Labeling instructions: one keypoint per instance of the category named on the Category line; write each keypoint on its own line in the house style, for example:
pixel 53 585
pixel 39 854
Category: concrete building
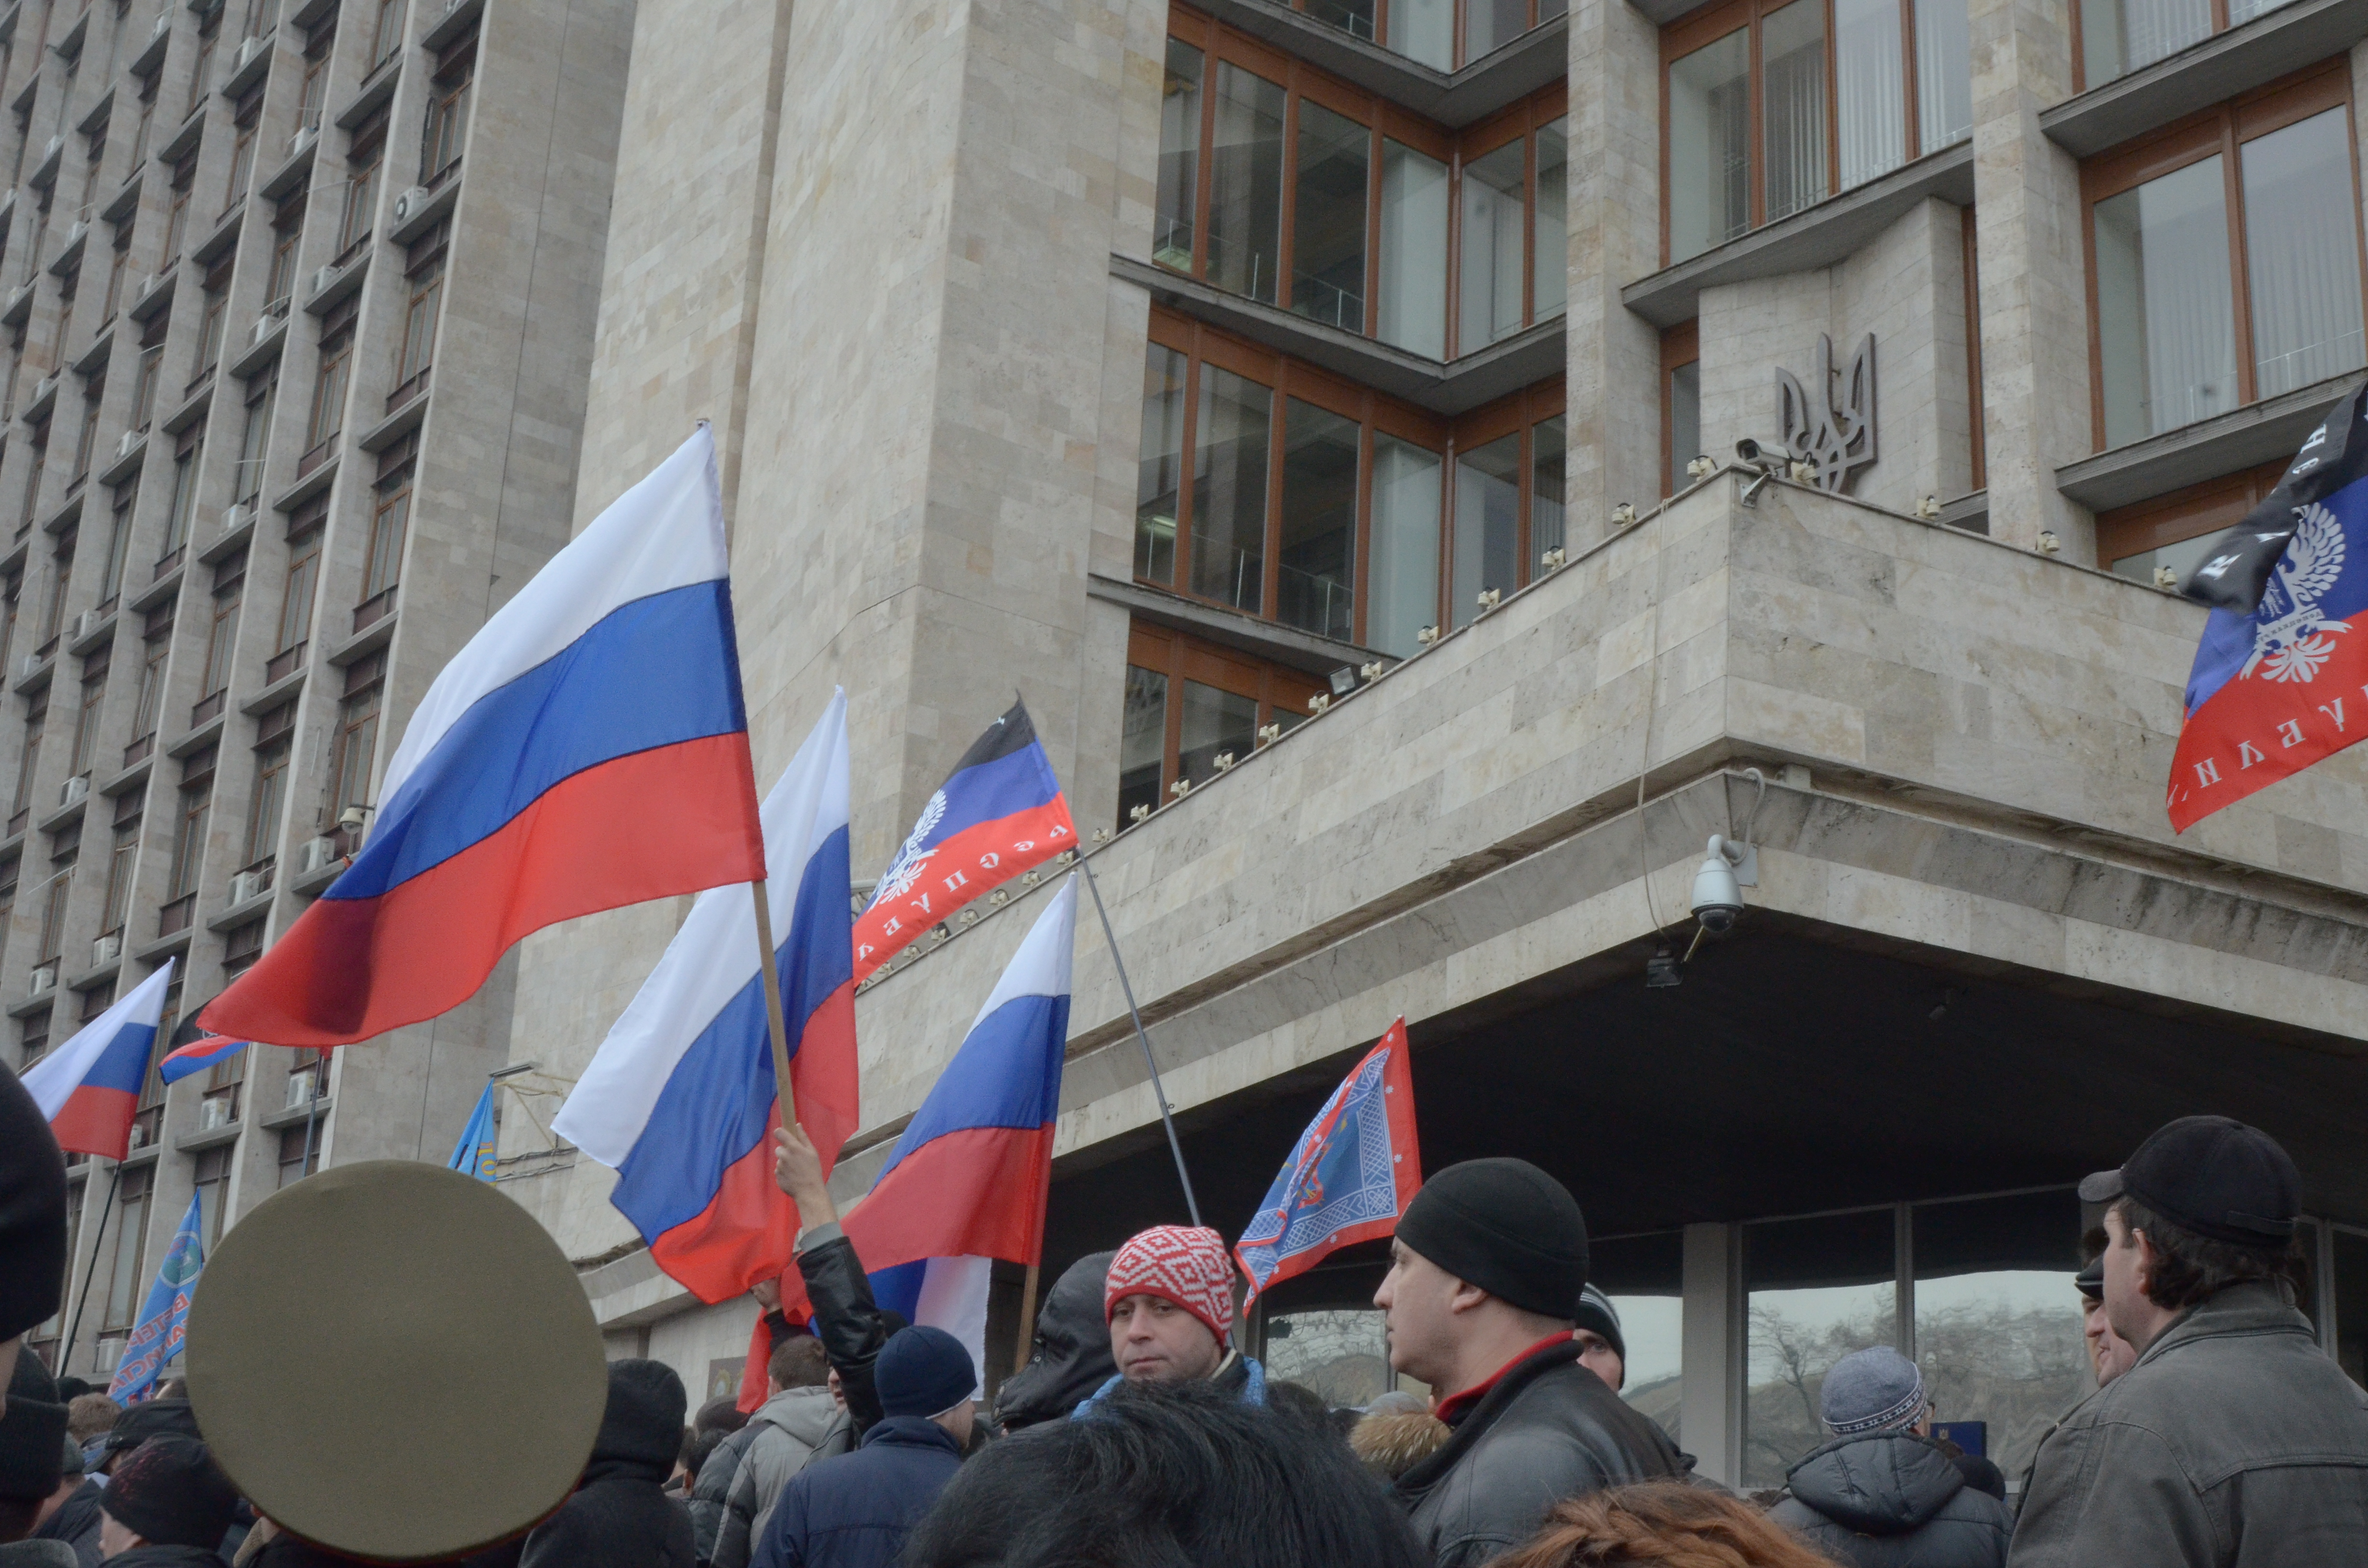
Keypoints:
pixel 299 310
pixel 1321 385
pixel 1180 364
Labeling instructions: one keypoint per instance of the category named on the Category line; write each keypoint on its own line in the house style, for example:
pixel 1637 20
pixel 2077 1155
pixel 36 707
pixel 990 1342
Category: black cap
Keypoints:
pixel 1506 1226
pixel 152 1418
pixel 171 1493
pixel 2090 1281
pixel 2213 1176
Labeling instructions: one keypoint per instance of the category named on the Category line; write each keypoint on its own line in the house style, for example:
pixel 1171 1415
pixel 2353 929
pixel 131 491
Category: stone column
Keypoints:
pixel 2031 259
pixel 1710 1415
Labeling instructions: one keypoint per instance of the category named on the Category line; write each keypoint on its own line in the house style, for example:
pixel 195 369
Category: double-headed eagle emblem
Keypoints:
pixel 2290 638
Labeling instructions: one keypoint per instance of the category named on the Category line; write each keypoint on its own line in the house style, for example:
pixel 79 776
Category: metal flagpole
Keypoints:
pixel 1167 1117
pixel 74 1331
pixel 312 1109
pixel 768 966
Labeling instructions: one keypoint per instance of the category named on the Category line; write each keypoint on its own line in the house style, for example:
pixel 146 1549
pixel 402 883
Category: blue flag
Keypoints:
pixel 163 1320
pixel 474 1155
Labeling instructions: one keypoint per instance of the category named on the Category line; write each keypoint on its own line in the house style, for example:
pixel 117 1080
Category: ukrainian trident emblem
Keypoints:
pixel 1833 429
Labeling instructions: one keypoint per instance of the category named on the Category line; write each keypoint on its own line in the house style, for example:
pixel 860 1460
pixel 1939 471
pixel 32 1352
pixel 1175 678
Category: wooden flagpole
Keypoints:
pixel 768 966
pixel 1026 1318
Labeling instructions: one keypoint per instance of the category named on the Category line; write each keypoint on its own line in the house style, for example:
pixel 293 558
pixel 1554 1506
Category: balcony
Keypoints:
pixel 206 709
pixel 376 607
pixel 285 663
pixel 173 917
pixel 139 751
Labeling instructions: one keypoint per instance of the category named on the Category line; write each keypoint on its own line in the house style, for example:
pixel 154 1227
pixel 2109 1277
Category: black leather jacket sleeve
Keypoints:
pixel 846 1319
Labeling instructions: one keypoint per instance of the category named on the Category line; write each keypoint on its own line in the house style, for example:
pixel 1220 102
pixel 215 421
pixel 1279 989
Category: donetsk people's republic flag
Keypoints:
pixel 587 748
pixel 2277 689
pixel 679 1099
pixel 89 1087
pixel 194 1051
pixel 998 813
pixel 1350 1178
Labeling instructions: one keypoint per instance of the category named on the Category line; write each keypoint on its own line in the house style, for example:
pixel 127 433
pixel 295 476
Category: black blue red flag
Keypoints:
pixel 2278 686
pixel 999 814
pixel 1350 1175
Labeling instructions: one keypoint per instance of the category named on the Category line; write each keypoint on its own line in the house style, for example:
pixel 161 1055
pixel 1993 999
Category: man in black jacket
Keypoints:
pixel 167 1505
pixel 620 1514
pixel 1485 1275
pixel 1883 1493
pixel 1071 1354
pixel 852 1326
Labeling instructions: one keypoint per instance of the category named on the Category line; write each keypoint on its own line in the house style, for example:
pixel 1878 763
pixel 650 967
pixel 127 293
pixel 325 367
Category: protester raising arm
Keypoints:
pixel 848 1324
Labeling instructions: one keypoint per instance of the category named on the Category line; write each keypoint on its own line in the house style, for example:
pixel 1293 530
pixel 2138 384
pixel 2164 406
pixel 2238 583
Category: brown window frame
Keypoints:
pixel 1680 346
pixel 2209 507
pixel 2221 130
pixel 1540 11
pixel 1281 692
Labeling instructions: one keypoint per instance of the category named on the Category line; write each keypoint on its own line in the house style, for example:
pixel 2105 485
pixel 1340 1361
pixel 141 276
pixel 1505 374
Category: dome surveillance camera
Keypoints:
pixel 1718 897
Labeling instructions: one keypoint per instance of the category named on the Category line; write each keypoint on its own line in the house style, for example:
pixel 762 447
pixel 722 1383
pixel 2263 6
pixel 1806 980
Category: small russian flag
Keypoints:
pixel 89 1087
pixel 194 1051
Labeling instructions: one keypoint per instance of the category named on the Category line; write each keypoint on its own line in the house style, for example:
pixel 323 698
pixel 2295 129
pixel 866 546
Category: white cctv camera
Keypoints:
pixel 1767 459
pixel 1718 896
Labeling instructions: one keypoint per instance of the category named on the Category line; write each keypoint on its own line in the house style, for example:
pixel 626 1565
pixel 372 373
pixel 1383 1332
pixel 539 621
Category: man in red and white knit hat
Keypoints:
pixel 1169 1300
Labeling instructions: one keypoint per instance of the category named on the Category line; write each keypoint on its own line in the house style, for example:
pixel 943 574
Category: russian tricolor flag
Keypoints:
pixel 679 1099
pixel 999 812
pixel 89 1087
pixel 587 748
pixel 199 1052
pixel 968 1180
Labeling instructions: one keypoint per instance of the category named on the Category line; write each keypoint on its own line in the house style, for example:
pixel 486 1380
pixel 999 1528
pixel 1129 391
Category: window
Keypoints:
pixel 448 112
pixel 143 385
pixel 329 389
pixel 123 1282
pixel 151 699
pixel 119 541
pixel 1444 34
pixel 61 572
pixel 209 324
pixel 1188 703
pixel 212 1183
pixel 29 757
pixel 383 566
pixel 425 285
pixel 121 855
pixel 263 809
pixel 1828 107
pixel 176 217
pixel 386 31
pixel 296 598
pixel 300 1152
pixel 94 696
pixel 361 185
pixel 146 121
pixel 1644 1277
pixel 2174 531
pixel 189 828
pixel 2187 324
pixel 255 439
pixel 2114 37
pixel 230 584
pixel 190 444
pixel 87 436
pixel 1325 505
pixel 247 118
pixel 33 474
pixel 53 907
pixel 312 92
pixel 353 750
pixel 1282 185
pixel 119 266
pixel 202 71
pixel 1680 403
pixel 287 228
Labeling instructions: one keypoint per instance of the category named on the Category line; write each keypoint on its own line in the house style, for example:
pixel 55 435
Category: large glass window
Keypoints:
pixel 1328 213
pixel 123 1283
pixel 1549 445
pixel 1680 403
pixel 1413 246
pixel 1487 524
pixel 2187 324
pixel 1493 188
pixel 2118 37
pixel 1644 1277
pixel 1229 470
pixel 1159 477
pixel 1772 108
pixel 1442 34
pixel 1403 596
pixel 1816 1290
pixel 1190 702
pixel 1177 220
pixel 1315 578
pixel 1550 278
pixel 1997 1324
pixel 1143 743
pixel 1246 184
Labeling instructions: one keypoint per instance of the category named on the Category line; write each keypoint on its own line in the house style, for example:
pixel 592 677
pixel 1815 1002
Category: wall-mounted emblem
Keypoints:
pixel 1830 423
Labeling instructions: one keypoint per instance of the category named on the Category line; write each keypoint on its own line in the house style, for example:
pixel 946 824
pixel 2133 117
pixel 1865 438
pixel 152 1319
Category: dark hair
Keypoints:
pixel 1665 1522
pixel 799 1363
pixel 2190 1268
pixel 1166 1476
pixel 1299 1403
pixel 18 1514
pixel 720 1415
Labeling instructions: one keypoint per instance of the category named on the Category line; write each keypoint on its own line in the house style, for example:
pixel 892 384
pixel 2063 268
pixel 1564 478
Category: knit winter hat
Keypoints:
pixel 1506 1226
pixel 170 1491
pixel 1871 1390
pixel 643 1417
pixel 33 1432
pixel 923 1371
pixel 1183 1264
pixel 1597 1315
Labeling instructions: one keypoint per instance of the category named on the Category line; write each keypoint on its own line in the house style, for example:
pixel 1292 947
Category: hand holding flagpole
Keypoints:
pixel 797 1170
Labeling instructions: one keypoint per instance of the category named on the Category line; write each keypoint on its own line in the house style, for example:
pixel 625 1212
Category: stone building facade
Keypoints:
pixel 1350 389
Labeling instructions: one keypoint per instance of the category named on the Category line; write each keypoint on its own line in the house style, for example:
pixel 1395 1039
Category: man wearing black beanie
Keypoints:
pixel 33 1451
pixel 1485 1275
pixel 32 1223
pixel 167 1505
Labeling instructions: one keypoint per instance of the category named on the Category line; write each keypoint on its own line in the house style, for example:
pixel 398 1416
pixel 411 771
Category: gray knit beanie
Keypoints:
pixel 1871 1390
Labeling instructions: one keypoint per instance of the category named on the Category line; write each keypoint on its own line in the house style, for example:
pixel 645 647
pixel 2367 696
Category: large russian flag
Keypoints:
pixel 89 1087
pixel 969 1177
pixel 680 1100
pixel 999 812
pixel 587 748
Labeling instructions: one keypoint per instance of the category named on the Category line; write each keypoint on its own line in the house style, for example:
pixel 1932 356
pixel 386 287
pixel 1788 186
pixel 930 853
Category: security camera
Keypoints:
pixel 1767 459
pixel 1718 897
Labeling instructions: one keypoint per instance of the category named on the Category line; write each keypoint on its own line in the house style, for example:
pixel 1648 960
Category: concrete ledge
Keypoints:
pixel 1456 99
pixel 1265 639
pixel 2219 67
pixel 2262 432
pixel 1819 236
pixel 1456 386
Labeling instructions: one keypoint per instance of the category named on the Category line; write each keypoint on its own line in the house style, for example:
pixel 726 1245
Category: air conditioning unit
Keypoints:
pixel 43 388
pixel 305 136
pixel 75 789
pixel 150 284
pixel 264 325
pixel 453 5
pixel 45 979
pixel 57 144
pixel 248 49
pixel 323 279
pixel 245 885
pixel 128 445
pixel 29 666
pixel 313 854
pixel 410 204
pixel 74 236
pixel 300 1091
pixel 236 515
pixel 105 951
pixel 139 1137
pixel 86 622
pixel 164 25
pixel 213 1113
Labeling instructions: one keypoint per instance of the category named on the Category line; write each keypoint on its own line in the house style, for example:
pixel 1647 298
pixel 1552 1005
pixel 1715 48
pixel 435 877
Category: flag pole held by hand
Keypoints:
pixel 768 966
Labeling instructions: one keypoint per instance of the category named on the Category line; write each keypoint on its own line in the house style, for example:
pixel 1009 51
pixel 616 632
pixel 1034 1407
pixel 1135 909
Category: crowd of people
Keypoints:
pixel 1140 1433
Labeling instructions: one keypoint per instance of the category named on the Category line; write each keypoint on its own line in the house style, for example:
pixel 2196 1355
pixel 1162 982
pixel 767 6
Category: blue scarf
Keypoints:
pixel 1253 1392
